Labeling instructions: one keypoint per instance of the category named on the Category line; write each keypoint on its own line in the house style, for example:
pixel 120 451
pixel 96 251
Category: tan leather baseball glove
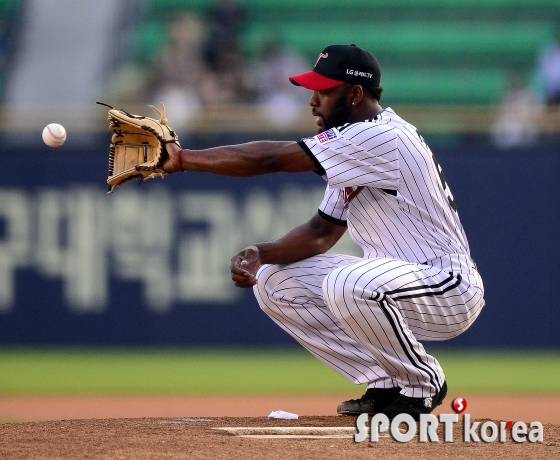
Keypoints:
pixel 137 147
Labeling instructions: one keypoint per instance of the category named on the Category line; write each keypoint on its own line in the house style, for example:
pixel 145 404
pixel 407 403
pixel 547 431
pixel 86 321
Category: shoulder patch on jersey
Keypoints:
pixel 328 136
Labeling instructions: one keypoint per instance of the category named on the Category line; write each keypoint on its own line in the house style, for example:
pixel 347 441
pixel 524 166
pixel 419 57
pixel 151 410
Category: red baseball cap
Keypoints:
pixel 339 64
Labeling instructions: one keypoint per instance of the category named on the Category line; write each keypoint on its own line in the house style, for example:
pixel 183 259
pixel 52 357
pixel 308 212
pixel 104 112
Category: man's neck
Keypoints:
pixel 366 112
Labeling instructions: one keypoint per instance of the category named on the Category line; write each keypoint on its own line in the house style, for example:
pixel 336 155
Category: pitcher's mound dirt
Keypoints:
pixel 173 427
pixel 195 438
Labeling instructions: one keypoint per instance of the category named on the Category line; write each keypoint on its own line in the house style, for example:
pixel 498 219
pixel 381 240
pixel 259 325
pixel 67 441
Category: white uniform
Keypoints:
pixel 364 317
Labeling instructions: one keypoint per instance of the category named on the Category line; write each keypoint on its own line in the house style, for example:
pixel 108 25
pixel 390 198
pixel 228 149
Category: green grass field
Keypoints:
pixel 247 371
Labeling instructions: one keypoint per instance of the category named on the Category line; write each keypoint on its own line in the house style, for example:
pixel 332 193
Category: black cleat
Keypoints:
pixel 415 406
pixel 372 402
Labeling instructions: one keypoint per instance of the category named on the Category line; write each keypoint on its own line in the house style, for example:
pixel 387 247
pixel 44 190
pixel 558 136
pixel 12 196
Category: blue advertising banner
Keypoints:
pixel 149 264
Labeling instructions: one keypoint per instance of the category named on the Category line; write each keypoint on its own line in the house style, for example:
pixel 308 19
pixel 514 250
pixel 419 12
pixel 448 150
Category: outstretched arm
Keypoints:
pixel 242 160
pixel 314 237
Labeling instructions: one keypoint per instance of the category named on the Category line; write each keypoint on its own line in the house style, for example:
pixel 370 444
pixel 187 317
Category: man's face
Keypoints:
pixel 331 107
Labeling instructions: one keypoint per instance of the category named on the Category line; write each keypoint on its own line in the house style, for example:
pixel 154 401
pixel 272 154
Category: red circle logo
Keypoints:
pixel 459 405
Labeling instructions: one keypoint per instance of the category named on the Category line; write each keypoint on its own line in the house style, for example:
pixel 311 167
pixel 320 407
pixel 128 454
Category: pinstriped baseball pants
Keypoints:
pixel 364 317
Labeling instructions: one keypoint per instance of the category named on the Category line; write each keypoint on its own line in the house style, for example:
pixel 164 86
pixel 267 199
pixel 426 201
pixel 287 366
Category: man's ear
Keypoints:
pixel 357 94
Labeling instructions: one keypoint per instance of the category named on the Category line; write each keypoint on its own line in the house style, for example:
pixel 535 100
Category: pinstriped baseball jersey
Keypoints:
pixel 365 318
pixel 385 183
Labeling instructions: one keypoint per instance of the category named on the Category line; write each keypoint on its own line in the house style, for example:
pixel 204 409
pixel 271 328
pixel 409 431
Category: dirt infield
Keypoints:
pixel 192 438
pixel 544 408
pixel 177 427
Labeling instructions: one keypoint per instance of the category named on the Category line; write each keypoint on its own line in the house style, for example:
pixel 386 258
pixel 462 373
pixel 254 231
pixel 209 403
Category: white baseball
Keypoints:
pixel 54 135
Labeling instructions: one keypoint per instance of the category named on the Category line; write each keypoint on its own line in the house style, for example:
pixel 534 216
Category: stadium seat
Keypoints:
pixel 455 51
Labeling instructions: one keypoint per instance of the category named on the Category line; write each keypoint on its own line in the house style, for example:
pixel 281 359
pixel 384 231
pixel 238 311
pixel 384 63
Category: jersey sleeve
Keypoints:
pixel 360 154
pixel 332 207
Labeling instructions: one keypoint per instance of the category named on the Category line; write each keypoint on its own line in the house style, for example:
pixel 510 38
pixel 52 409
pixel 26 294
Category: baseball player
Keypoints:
pixel 363 317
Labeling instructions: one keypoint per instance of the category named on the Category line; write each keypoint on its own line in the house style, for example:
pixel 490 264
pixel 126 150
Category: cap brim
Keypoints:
pixel 314 81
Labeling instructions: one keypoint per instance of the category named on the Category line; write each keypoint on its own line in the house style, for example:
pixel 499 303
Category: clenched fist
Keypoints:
pixel 244 265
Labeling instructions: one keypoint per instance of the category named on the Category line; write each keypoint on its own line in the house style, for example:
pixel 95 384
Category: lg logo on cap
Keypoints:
pixel 358 73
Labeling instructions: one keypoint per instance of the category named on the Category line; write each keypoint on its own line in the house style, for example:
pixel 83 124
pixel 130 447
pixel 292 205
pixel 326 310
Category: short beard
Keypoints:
pixel 340 114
